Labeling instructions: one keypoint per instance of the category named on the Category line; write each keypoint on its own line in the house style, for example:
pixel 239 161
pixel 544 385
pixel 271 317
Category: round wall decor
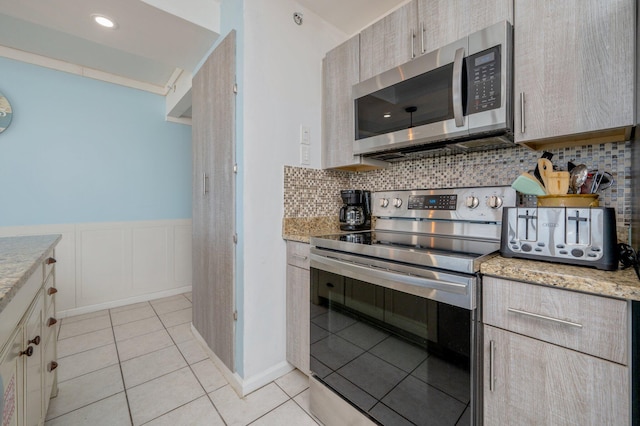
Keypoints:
pixel 5 113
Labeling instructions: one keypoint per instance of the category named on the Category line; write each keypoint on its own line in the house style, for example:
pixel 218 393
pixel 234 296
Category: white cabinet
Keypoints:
pixel 11 380
pixel 574 71
pixel 339 73
pixel 298 305
pixel 552 356
pixel 27 359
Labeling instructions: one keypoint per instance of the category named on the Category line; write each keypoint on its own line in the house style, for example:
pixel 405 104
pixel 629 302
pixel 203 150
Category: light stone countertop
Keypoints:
pixel 623 284
pixel 19 258
pixel 301 228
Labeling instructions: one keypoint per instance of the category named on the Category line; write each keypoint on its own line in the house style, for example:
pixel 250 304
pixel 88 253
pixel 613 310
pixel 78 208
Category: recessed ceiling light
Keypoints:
pixel 104 21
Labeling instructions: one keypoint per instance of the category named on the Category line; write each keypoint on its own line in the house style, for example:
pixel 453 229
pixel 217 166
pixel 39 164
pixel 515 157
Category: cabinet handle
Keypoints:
pixel 50 261
pixel 422 38
pixel 330 285
pixel 522 125
pixel 51 321
pixel 51 291
pixel 492 371
pixel 27 352
pixel 205 184
pixel 35 340
pixel 299 256
pixel 456 87
pixel 556 320
pixel 52 366
pixel 413 37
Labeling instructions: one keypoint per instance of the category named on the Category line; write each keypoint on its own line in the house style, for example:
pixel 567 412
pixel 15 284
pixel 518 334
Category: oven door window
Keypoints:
pixel 399 358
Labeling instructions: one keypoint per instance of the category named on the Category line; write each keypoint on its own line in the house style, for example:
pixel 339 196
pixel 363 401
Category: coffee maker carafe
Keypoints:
pixel 355 214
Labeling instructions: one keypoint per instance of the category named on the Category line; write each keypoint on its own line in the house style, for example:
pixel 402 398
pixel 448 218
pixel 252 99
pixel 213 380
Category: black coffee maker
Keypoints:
pixel 355 214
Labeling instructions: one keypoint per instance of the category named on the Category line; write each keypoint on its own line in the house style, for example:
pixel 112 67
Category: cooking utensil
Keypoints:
pixel 558 183
pixel 528 184
pixel 536 172
pixel 578 176
pixel 545 168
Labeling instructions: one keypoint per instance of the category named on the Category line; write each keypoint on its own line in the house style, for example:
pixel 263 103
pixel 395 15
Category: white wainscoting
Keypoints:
pixel 104 265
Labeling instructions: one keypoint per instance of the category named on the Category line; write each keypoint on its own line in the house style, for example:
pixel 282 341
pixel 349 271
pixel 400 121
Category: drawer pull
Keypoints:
pixel 52 366
pixel 299 256
pixel 50 261
pixel 492 370
pixel 556 320
pixel 27 352
pixel 51 291
pixel 35 340
pixel 51 321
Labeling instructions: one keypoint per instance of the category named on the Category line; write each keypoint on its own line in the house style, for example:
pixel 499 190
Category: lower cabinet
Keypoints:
pixel 298 305
pixel 540 362
pixel 27 359
pixel 11 379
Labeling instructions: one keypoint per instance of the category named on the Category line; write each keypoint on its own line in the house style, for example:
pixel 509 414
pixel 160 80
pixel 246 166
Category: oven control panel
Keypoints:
pixel 471 204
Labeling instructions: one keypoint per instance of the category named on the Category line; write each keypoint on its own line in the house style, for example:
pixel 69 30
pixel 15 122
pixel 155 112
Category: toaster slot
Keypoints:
pixel 578 226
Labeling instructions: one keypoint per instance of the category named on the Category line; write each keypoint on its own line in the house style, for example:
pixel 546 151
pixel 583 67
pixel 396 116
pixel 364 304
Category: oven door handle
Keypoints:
pixel 360 271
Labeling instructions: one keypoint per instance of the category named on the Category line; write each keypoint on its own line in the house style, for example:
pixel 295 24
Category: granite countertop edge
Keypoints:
pixel 621 284
pixel 19 259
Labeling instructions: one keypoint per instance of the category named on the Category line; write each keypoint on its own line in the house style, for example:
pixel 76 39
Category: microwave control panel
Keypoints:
pixel 483 85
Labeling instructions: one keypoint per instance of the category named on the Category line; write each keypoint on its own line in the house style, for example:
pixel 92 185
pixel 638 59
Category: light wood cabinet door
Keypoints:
pixel 340 71
pixel 389 42
pixel 530 382
pixel 214 200
pixel 573 67
pixel 298 317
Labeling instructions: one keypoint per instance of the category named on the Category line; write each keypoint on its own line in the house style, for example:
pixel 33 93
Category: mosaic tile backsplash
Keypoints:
pixel 313 192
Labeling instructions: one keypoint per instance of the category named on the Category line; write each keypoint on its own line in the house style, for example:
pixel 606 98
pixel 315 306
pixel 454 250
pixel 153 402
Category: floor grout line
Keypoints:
pixel 175 344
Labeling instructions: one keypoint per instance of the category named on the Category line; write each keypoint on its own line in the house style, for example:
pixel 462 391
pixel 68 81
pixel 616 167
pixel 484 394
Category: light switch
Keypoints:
pixel 305 135
pixel 304 155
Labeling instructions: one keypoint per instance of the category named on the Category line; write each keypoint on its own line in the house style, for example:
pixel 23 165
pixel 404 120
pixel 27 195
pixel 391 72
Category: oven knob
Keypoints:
pixel 397 202
pixel 495 202
pixel 472 202
pixel 384 202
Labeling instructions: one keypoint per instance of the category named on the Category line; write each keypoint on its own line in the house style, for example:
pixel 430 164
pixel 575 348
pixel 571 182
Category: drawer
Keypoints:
pixel 50 291
pixel 298 254
pixel 50 323
pixel 48 265
pixel 590 324
pixel 50 366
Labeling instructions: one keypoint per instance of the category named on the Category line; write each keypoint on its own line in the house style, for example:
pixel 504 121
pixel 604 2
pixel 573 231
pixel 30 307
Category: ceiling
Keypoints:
pixel 141 49
pixel 351 16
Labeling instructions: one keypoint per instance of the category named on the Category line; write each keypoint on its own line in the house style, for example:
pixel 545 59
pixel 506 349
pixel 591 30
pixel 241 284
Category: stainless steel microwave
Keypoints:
pixel 458 97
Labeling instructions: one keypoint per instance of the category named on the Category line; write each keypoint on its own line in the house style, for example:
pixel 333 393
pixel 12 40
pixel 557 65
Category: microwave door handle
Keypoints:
pixel 456 87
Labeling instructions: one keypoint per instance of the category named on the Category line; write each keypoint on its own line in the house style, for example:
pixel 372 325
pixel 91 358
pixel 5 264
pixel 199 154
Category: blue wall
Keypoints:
pixel 82 150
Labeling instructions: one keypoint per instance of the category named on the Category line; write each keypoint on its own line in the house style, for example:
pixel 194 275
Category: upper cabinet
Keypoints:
pixel 574 71
pixel 441 22
pixel 340 71
pixel 422 26
pixel 388 42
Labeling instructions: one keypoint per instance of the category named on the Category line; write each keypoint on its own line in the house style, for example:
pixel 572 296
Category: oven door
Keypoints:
pixel 388 343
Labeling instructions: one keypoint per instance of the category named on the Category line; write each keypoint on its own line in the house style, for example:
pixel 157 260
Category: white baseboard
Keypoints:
pixel 122 302
pixel 242 386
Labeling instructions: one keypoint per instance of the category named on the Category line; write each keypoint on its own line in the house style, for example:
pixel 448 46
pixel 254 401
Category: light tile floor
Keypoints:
pixel 141 365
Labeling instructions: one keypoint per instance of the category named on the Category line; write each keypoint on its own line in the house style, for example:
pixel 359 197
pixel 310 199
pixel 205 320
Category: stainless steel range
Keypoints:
pixel 393 311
